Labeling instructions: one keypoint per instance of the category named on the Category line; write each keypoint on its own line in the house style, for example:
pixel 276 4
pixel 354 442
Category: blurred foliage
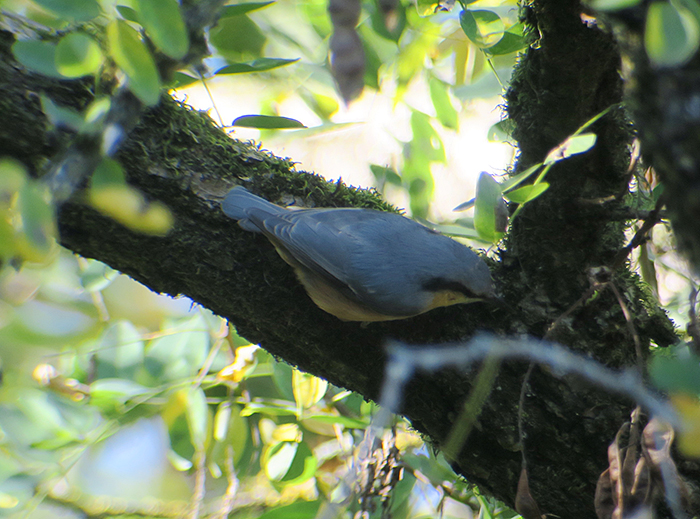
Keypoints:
pixel 100 411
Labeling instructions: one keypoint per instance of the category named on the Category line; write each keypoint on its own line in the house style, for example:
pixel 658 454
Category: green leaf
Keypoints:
pixel 38 224
pixel 300 509
pixel 222 418
pixel 237 38
pixel 132 56
pixel 13 176
pixel 679 374
pixel 278 458
pixel 426 141
pixel 427 7
pixel 520 177
pixel 110 394
pixel 385 174
pixel 39 56
pixel 671 35
pixel 78 55
pixel 612 5
pixel 445 111
pixel 197 413
pixel 267 122
pixel 345 421
pixel 179 351
pixel 97 276
pixel 108 173
pixel 60 116
pixel 182 79
pixel 163 22
pixel 502 131
pixel 73 10
pixel 243 8
pixel 574 145
pixel 128 13
pixel 513 41
pixel 269 407
pixel 484 28
pixel 527 193
pixel 302 468
pixel 120 351
pixel 488 196
pixel 258 65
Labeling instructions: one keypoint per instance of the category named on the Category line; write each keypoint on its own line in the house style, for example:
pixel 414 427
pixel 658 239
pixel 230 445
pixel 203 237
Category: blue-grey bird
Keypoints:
pixel 362 264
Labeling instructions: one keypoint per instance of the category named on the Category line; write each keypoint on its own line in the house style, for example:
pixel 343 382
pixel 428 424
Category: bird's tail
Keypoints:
pixel 239 201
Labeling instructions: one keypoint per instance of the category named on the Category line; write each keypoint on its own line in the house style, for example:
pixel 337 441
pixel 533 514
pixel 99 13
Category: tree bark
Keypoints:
pixel 178 157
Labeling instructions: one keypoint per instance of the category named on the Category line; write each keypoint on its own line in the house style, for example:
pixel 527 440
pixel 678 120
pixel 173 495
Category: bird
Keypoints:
pixel 363 264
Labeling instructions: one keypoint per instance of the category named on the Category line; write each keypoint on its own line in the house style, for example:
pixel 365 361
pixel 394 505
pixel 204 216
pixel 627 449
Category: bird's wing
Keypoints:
pixel 325 241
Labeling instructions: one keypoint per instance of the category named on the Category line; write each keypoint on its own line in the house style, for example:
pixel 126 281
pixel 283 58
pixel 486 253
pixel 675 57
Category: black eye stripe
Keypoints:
pixel 438 284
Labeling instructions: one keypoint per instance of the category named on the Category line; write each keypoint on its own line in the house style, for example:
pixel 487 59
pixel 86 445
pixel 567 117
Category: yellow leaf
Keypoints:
pixel 688 408
pixel 241 366
pixel 307 389
pixel 288 432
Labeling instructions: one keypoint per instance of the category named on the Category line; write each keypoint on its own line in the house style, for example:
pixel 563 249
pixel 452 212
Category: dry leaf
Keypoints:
pixel 525 504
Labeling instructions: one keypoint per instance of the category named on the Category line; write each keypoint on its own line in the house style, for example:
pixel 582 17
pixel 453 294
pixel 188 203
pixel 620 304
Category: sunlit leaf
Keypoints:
pixel 513 40
pixel 110 195
pixel 385 174
pixel 345 421
pixel 78 55
pixel 300 509
pixel 484 28
pixel 243 364
pixel 242 8
pixel 502 131
pixel 97 276
pixel 527 193
pixel 612 5
pixel 308 389
pixel 277 459
pixel 258 65
pixel 302 468
pixel 488 196
pixel 427 7
pixel 520 177
pixel 445 111
pixel 274 408
pixel 134 58
pixel 671 34
pixel 221 421
pixel 37 238
pixel 574 145
pixel 197 412
pixel 13 176
pixel 688 408
pixel 163 22
pixel 267 122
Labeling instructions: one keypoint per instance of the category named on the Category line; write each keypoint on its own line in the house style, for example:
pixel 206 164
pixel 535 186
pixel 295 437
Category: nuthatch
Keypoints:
pixel 362 264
